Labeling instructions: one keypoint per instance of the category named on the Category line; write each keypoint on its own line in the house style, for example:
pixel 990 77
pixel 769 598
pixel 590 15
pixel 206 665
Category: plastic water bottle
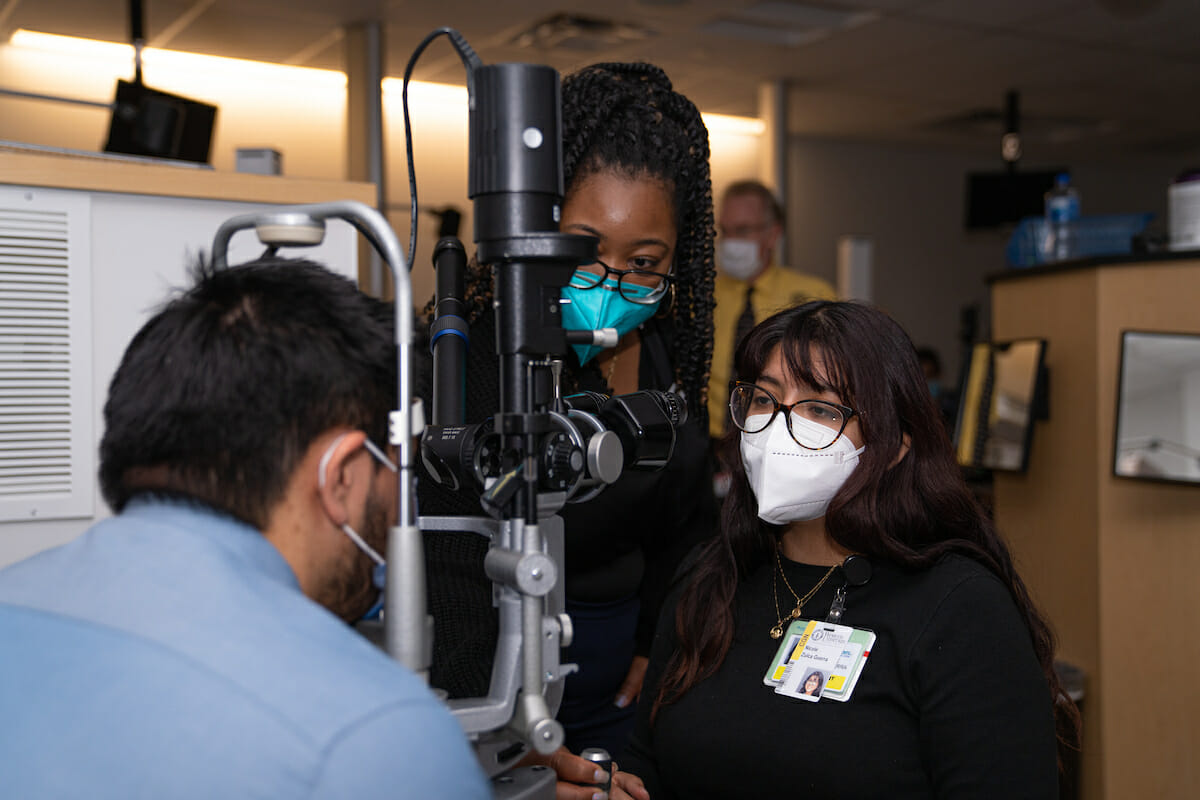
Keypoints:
pixel 1062 211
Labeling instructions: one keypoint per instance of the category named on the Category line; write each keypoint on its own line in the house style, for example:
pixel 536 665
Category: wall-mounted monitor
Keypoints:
pixel 1158 407
pixel 996 199
pixel 1002 391
pixel 147 122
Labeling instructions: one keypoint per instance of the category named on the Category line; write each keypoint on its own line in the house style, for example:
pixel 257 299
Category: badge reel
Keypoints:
pixel 819 659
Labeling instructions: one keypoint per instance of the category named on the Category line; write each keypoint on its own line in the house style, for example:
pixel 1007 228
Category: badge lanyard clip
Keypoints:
pixel 857 571
pixel 838 606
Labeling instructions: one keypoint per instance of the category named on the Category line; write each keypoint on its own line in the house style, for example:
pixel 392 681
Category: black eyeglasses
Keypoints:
pixel 642 286
pixel 753 408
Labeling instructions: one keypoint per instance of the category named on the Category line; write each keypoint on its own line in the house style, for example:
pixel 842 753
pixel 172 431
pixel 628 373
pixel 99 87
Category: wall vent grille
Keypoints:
pixel 46 438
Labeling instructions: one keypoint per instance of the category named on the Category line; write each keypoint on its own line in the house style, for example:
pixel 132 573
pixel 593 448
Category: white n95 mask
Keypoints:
pixel 739 258
pixel 792 483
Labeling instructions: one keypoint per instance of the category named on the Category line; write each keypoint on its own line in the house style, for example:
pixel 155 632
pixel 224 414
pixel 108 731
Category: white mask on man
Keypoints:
pixel 792 483
pixel 740 259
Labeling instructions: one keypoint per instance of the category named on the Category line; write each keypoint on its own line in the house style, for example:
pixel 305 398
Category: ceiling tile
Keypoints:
pixel 987 15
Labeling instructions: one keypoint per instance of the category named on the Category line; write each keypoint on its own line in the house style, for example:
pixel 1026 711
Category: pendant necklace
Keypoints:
pixel 777 630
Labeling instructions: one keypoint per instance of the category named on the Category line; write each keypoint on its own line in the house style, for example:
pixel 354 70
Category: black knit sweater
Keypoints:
pixel 951 703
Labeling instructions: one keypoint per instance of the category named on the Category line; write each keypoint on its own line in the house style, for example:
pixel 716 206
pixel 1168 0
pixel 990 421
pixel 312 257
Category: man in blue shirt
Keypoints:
pixel 196 645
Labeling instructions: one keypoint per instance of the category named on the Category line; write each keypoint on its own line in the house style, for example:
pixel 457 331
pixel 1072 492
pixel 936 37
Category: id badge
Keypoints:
pixel 819 659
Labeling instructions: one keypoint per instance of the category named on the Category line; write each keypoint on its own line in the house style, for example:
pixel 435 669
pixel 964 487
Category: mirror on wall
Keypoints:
pixel 999 400
pixel 1158 407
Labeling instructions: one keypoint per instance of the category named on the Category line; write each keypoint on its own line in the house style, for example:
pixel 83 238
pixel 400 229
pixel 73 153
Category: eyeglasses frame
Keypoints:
pixel 847 412
pixel 667 279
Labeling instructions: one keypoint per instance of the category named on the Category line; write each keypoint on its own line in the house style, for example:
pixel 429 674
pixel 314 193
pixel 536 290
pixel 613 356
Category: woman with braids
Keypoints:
pixel 637 178
pixel 847 533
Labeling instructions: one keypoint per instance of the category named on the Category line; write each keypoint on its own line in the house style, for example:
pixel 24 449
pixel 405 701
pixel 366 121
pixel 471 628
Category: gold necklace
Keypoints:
pixel 777 630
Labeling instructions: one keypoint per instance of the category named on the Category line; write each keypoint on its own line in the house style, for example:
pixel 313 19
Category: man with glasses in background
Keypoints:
pixel 750 284
pixel 197 643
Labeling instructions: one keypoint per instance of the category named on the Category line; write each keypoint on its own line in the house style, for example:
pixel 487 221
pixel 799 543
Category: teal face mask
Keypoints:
pixel 603 307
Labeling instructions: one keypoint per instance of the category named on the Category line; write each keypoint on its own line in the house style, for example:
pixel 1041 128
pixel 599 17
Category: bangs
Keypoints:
pixel 814 360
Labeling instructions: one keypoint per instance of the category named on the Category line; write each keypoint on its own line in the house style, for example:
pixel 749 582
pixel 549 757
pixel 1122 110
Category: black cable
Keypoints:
pixel 471 61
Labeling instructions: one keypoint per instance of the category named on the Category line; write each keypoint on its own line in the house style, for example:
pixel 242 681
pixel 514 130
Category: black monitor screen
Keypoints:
pixel 998 404
pixel 1004 198
pixel 1158 407
pixel 147 122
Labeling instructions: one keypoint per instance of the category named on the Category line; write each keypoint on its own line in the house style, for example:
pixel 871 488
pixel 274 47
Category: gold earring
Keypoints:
pixel 665 309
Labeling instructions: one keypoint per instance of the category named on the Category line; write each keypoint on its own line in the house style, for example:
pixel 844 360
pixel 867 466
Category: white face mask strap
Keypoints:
pixel 849 455
pixel 362 545
pixel 323 464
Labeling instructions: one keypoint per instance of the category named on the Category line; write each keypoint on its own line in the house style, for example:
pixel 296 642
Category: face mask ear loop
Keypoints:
pixel 323 464
pixel 366 548
pixel 843 456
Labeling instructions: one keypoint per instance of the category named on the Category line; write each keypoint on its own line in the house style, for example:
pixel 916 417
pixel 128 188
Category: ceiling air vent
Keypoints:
pixel 580 34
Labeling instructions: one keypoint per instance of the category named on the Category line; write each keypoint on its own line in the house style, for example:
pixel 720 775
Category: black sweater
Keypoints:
pixel 627 541
pixel 951 703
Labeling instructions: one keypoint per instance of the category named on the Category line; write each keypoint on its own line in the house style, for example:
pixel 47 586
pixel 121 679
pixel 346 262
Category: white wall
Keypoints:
pixel 141 247
pixel 910 201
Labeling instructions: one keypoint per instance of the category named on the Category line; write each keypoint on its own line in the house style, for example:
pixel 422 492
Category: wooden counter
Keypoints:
pixel 1114 562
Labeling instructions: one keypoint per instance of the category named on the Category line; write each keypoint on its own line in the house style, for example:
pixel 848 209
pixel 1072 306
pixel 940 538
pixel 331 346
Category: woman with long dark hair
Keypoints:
pixel 849 542
pixel 637 178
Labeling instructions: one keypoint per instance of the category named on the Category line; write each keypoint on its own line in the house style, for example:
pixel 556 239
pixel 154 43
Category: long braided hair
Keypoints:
pixel 626 117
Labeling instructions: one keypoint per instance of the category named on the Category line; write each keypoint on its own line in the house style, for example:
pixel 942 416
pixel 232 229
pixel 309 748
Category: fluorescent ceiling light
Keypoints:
pixel 723 123
pixel 426 95
pixel 119 57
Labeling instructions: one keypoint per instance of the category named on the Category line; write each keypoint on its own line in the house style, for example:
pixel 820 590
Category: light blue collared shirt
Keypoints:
pixel 169 653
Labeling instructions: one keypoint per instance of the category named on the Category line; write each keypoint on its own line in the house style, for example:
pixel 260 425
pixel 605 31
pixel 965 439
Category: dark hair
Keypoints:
pixel 910 513
pixel 755 189
pixel 218 395
pixel 626 117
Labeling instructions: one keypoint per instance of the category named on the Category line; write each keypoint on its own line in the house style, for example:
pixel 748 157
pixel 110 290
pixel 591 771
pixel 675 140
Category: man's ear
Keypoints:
pixel 338 476
pixel 773 236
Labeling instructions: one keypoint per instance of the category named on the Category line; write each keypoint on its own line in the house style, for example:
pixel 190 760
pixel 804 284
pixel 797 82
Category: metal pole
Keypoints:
pixel 364 50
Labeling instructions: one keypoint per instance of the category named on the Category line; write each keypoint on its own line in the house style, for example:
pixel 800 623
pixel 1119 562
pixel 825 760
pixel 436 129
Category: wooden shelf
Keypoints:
pixel 100 174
